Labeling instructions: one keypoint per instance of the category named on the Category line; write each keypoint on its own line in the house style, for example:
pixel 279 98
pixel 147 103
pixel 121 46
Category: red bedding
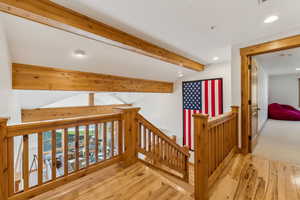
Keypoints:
pixel 283 112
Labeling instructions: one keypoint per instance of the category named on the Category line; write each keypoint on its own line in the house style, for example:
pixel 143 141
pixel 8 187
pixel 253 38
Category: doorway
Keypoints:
pixel 249 124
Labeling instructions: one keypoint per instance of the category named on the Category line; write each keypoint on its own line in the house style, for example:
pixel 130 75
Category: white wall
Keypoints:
pixel 165 110
pixel 263 95
pixel 284 89
pixel 236 62
pixel 9 106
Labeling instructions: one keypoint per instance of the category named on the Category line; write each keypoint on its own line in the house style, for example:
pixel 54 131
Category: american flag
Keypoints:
pixel 204 96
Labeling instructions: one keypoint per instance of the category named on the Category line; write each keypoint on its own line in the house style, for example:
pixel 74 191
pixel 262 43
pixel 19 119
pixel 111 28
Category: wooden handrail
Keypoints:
pixel 216 141
pixel 162 151
pixel 158 132
pixel 27 128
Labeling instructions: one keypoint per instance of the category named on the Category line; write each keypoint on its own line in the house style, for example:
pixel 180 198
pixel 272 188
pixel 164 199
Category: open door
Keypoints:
pixel 254 105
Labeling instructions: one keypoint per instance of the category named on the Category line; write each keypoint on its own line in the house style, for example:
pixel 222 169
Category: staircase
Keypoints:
pixel 137 162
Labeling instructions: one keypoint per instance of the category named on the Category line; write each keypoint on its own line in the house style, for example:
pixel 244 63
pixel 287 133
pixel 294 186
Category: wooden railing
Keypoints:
pixel 40 156
pixel 56 152
pixel 161 151
pixel 216 141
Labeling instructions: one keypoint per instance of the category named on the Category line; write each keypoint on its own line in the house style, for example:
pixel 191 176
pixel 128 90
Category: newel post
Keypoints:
pixel 3 159
pixel 201 156
pixel 130 131
pixel 235 110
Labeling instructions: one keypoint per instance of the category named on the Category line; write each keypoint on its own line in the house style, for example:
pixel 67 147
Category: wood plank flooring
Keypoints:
pixel 245 178
pixel 254 178
pixel 138 182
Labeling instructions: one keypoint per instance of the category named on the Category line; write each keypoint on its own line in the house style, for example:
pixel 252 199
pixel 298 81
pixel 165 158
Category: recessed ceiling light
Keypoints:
pixel 216 58
pixel 298 69
pixel 79 53
pixel 271 19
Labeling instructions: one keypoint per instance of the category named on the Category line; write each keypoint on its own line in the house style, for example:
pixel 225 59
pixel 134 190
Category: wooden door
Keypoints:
pixel 254 105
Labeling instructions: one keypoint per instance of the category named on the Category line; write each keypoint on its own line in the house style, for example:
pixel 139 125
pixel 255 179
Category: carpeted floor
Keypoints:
pixel 280 140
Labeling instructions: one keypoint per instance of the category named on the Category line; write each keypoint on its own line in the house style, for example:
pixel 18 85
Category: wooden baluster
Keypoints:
pixel 159 149
pixel 77 148
pixel 213 144
pixel 53 154
pixel 235 110
pixel 112 139
pixel 154 148
pixel 120 137
pixel 66 158
pixel 40 158
pixel 149 141
pixel 104 147
pixel 10 165
pixel 216 147
pixel 186 165
pixel 25 162
pixel 145 138
pixel 201 156
pixel 96 142
pixel 210 153
pixel 139 136
pixel 87 145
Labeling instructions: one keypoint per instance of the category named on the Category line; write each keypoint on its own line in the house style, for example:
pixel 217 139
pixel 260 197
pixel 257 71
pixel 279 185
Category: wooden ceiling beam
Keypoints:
pixel 54 15
pixel 31 77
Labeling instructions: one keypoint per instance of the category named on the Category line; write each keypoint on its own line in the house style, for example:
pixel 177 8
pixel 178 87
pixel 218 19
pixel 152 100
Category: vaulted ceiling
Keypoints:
pixel 198 29
pixel 184 26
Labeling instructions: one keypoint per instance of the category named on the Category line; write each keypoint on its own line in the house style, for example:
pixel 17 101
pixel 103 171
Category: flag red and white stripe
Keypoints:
pixel 211 104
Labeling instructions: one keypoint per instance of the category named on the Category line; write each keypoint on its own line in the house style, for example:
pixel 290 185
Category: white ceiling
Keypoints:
pixel 184 25
pixel 181 26
pixel 281 62
pixel 42 45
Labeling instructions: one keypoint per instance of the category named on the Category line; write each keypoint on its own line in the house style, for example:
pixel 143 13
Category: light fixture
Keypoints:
pixel 180 74
pixel 298 69
pixel 216 58
pixel 79 53
pixel 271 19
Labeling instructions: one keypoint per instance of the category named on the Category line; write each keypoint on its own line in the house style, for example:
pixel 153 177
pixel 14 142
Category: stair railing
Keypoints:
pixel 69 149
pixel 216 142
pixel 161 151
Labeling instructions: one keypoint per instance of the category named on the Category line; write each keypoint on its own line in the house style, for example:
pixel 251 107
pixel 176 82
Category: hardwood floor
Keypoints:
pixel 245 178
pixel 136 182
pixel 254 178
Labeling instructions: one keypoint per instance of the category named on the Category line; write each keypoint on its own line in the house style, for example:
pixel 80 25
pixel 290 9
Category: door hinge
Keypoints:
pixel 249 66
pixel 250 137
pixel 249 102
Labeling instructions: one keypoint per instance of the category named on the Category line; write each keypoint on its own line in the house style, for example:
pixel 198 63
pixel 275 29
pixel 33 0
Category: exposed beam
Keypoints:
pixel 30 77
pixel 41 114
pixel 57 16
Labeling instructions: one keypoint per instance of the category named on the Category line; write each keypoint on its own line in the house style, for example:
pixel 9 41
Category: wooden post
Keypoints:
pixel 91 99
pixel 129 115
pixel 201 156
pixel 3 159
pixel 186 162
pixel 174 138
pixel 235 109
